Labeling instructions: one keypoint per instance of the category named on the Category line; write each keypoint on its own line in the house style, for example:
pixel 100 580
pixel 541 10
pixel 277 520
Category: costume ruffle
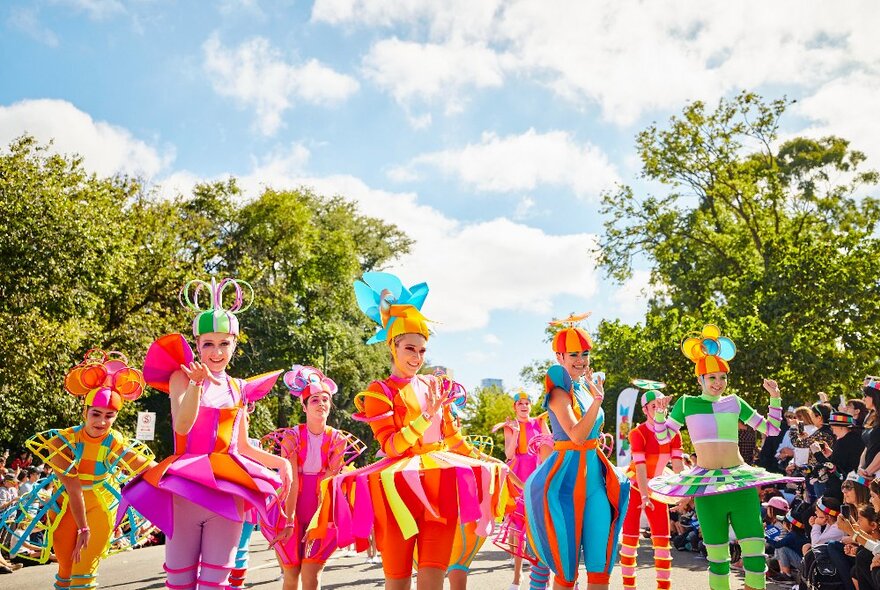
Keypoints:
pixel 207 468
pixel 41 509
pixel 351 501
pixel 698 481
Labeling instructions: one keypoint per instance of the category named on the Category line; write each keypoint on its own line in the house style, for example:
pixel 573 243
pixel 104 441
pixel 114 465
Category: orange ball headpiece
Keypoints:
pixel 709 350
pixel 571 338
pixel 104 380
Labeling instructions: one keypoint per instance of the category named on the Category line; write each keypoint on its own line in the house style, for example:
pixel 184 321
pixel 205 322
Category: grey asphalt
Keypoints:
pixel 142 570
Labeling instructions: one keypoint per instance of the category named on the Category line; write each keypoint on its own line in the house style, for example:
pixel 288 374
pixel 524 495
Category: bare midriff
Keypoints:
pixel 718 455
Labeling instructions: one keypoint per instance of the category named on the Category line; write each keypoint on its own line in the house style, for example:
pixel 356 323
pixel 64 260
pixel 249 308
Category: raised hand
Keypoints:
pixel 434 399
pixel 511 424
pixel 771 387
pixel 198 372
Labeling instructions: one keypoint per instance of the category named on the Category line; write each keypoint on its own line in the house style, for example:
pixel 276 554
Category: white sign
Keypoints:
pixel 626 403
pixel 146 428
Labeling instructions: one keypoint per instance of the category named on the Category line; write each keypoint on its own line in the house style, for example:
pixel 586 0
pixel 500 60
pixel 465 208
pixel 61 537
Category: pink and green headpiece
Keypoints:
pixel 206 299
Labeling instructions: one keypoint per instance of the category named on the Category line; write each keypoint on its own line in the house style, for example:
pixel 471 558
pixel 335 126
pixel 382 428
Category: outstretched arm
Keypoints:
pixel 772 424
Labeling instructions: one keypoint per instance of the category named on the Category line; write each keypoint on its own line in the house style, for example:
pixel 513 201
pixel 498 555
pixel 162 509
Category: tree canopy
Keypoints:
pixel 92 262
pixel 772 239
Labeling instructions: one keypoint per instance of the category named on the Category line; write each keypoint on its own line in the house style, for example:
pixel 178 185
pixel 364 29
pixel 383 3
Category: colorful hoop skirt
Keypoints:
pixel 698 481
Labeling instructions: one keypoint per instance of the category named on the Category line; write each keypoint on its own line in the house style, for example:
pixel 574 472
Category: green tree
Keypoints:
pixel 98 262
pixel 775 241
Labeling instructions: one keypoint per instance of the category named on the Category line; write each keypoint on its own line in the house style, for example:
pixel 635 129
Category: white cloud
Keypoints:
pixel 426 73
pixel 96 9
pixel 524 208
pixel 257 76
pixel 473 268
pixel 492 339
pixel 836 107
pixel 27 20
pixel 106 149
pixel 627 57
pixel 523 162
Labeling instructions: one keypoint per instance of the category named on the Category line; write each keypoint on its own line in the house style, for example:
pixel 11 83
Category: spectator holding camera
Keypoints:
pixel 838 459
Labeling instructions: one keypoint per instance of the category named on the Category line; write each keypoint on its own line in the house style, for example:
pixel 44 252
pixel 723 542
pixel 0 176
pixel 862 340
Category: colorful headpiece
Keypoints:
pixel 823 508
pixel 520 396
pixel 571 338
pixel 709 350
pixel 303 381
pixel 212 315
pixel 854 477
pixel 104 379
pixel 384 299
pixel 872 383
pixel 651 388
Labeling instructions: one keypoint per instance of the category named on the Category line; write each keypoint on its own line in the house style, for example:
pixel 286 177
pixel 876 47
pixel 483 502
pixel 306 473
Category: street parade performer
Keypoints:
pixel 724 487
pixel 76 506
pixel 575 499
pixel 649 459
pixel 430 479
pixel 519 432
pixel 315 452
pixel 201 495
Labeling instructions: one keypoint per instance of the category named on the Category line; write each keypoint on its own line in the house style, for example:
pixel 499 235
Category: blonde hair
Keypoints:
pixel 804 414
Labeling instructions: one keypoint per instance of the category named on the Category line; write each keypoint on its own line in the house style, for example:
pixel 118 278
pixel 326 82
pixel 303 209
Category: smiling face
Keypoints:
pixel 576 363
pixel 215 350
pixel 317 407
pixel 408 354
pixel 99 421
pixel 523 408
pixel 713 384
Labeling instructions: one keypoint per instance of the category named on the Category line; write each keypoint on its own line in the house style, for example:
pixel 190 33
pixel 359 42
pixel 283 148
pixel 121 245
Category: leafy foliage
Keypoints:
pixel 97 262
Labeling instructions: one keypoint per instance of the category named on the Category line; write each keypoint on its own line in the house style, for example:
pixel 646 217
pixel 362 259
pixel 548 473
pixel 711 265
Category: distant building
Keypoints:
pixel 486 383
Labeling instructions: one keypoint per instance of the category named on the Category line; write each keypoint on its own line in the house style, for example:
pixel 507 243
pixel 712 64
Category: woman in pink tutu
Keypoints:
pixel 201 495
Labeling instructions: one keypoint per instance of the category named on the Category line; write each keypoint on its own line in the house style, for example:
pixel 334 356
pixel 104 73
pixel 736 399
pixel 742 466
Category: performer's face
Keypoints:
pixel 215 350
pixel 650 408
pixel 714 384
pixel 576 363
pixel 99 421
pixel 409 354
pixel 317 406
pixel 523 409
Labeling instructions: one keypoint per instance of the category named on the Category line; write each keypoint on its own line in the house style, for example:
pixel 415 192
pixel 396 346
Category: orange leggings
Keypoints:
pixel 435 537
pixel 84 573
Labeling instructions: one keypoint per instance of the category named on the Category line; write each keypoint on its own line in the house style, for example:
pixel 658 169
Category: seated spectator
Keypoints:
pixel 838 459
pixel 862 539
pixel 857 409
pixel 823 524
pixel 32 476
pixel 9 491
pixel 22 461
pixel 789 542
pixel 777 449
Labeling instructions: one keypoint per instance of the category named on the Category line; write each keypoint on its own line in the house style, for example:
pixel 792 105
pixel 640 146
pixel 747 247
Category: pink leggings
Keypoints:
pixel 201 553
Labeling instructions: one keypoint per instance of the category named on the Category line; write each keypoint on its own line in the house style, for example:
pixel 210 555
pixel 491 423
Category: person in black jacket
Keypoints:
pixel 841 458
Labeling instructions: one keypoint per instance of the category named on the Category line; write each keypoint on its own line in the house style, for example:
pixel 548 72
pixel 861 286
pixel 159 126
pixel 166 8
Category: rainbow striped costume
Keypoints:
pixel 559 524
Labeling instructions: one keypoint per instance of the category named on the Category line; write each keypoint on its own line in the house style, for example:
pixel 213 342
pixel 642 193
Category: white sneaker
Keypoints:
pixel 376 559
pixel 514 587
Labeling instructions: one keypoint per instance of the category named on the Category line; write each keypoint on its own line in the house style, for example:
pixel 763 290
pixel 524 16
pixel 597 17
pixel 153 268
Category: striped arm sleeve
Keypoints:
pixel 769 426
pixel 667 427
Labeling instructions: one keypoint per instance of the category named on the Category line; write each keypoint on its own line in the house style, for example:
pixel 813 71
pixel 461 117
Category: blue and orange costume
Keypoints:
pixel 576 475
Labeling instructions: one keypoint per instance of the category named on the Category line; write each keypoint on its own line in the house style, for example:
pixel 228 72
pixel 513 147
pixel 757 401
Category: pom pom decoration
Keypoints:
pixel 384 299
pixel 709 350
pixel 541 440
pixel 572 338
pixel 104 379
pixel 212 315
pixel 303 381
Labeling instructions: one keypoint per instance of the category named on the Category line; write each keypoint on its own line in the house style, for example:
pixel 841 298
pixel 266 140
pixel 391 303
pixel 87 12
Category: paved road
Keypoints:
pixel 142 570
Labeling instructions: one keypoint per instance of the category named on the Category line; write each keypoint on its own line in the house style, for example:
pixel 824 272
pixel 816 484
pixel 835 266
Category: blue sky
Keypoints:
pixel 485 129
